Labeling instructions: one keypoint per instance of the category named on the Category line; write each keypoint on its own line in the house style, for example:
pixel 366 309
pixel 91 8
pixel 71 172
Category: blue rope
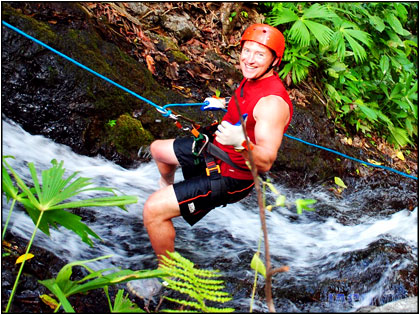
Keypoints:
pixel 165 112
pixel 161 109
pixel 352 158
pixel 185 104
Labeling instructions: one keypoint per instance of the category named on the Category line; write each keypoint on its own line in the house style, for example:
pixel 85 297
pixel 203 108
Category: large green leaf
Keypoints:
pixel 346 30
pixel 370 113
pixel 399 136
pixel 54 288
pixel 71 222
pixel 49 197
pixel 8 186
pixel 384 64
pixel 377 23
pixel 396 24
pixel 359 35
pixel 358 50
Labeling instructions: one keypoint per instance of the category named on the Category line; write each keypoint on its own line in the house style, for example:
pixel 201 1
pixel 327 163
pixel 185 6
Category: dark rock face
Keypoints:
pixel 51 96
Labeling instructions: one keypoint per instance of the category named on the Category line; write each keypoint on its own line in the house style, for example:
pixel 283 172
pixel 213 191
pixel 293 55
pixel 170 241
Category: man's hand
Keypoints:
pixel 228 134
pixel 214 103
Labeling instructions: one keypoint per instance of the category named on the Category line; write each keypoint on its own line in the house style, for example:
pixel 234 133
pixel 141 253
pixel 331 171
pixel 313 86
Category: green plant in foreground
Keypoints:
pixel 11 192
pixel 256 262
pixel 112 122
pixel 62 287
pixel 46 200
pixel 178 271
pixel 122 303
pixel 200 285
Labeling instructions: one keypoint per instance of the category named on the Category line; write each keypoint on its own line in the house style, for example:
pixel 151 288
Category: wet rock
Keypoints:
pixel 180 25
pixel 138 8
pixel 48 95
pixel 408 305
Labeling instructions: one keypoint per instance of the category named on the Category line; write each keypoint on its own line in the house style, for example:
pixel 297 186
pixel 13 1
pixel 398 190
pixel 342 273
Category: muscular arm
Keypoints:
pixel 271 115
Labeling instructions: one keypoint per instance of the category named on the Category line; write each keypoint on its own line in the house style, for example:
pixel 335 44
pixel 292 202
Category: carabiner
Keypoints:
pixel 206 138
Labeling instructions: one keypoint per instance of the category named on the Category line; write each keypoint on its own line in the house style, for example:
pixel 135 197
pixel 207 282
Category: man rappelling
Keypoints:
pixel 215 180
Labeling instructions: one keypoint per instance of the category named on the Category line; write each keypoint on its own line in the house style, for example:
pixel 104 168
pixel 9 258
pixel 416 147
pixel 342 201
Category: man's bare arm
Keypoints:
pixel 271 115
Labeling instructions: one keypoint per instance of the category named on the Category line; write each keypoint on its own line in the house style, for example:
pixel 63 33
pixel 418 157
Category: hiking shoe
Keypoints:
pixel 145 288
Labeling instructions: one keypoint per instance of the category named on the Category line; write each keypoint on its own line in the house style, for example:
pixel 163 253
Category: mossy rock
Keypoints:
pixel 165 43
pixel 128 135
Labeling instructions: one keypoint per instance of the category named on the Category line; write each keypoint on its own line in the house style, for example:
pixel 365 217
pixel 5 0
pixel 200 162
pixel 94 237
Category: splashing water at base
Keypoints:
pixel 334 267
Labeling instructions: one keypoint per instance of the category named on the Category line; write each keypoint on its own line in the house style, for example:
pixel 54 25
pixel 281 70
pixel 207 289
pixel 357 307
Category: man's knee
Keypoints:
pixel 155 148
pixel 156 209
pixel 149 213
pixel 162 151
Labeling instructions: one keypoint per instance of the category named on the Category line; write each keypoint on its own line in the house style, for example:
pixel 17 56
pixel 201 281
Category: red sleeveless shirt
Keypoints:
pixel 248 94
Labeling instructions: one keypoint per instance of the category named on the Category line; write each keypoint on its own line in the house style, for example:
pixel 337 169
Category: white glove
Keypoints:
pixel 228 134
pixel 214 103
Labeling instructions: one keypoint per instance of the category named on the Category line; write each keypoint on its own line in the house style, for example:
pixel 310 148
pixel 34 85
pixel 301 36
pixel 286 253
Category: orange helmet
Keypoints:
pixel 266 35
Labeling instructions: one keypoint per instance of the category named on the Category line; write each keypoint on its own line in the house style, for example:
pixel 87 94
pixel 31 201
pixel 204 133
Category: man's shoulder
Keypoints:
pixel 271 100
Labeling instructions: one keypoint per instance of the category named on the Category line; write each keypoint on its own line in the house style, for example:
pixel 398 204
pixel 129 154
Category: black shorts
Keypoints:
pixel 194 193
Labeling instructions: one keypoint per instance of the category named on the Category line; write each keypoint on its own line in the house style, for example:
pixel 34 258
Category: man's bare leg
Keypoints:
pixel 165 159
pixel 158 211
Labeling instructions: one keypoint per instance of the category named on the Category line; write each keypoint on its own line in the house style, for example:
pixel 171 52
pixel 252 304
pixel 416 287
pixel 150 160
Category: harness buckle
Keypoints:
pixel 211 167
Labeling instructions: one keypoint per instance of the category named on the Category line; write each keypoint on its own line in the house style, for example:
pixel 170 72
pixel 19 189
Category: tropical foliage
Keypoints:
pixel 362 55
pixel 47 200
pixel 202 286
pixel 62 286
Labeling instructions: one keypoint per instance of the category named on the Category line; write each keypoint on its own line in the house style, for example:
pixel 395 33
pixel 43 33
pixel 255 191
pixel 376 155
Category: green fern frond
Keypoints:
pixel 220 310
pixel 191 284
pixel 197 284
pixel 191 277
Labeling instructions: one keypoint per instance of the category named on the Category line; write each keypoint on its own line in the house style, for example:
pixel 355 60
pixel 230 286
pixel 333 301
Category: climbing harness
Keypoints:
pixel 204 145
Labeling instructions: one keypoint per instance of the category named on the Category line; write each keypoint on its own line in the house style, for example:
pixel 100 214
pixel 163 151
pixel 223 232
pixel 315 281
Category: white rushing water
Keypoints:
pixel 302 242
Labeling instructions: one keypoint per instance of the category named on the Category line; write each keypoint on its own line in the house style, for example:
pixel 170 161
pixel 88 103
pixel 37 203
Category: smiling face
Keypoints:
pixel 255 60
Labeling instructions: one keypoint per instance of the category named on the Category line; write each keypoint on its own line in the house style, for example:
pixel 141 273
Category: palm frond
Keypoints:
pixel 299 33
pixel 358 50
pixel 281 17
pixel 321 32
pixel 318 11
pixel 49 198
pixel 360 36
pixel 339 44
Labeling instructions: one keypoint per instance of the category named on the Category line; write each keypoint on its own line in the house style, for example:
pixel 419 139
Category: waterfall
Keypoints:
pixel 317 246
